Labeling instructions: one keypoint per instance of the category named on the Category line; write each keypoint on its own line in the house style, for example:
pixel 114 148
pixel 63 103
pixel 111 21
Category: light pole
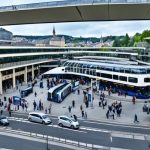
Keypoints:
pixel 47 143
pixel 91 92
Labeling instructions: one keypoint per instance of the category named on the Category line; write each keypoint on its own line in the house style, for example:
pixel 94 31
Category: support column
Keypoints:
pixel 32 72
pixel 38 70
pixel 14 79
pixel 1 88
pixel 25 75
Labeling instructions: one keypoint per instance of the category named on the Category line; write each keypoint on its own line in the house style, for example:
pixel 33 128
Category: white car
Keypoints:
pixel 39 117
pixel 65 121
pixel 4 121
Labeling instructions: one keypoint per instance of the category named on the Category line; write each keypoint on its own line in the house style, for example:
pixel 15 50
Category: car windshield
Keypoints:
pixel 45 117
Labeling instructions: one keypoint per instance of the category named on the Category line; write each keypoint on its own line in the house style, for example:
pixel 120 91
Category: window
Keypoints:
pixel 146 79
pixel 122 70
pixel 139 71
pixel 123 78
pixel 133 80
pixel 116 69
pixel 98 74
pixel 148 70
pixel 115 77
pixel 127 70
pixel 108 68
pixel 104 75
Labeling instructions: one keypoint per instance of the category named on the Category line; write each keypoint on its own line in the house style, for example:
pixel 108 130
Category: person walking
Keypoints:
pixel 73 103
pixel 26 106
pixel 35 94
pixel 34 105
pixel 49 109
pixel 1 112
pixel 9 113
pixel 69 109
pixel 133 100
pixel 78 92
pixel 46 110
pixel 135 118
pixel 81 107
pixel 75 117
pixel 107 114
pixel 82 113
pixel 85 115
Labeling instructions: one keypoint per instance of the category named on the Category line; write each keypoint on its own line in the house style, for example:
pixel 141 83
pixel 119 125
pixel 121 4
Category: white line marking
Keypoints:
pixel 117 125
pixel 5 149
pixel 121 135
pixel 111 139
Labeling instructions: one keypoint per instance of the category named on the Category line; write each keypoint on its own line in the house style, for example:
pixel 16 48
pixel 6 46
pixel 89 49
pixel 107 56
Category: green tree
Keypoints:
pixel 116 42
pixel 145 33
pixel 126 40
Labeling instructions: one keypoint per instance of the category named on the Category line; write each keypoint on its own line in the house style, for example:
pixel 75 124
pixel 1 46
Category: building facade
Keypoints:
pixel 23 64
pixel 57 41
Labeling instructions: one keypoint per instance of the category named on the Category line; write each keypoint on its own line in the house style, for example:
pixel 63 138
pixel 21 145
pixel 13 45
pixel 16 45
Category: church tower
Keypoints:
pixel 54 33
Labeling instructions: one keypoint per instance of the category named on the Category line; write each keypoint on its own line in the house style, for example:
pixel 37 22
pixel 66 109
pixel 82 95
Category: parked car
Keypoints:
pixel 4 121
pixel 39 118
pixel 65 121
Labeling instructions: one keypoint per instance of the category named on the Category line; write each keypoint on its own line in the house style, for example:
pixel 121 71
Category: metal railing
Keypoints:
pixel 67 141
pixel 55 139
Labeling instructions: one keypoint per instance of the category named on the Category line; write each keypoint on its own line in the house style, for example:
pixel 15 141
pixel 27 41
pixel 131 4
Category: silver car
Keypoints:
pixel 39 118
pixel 65 121
pixel 4 121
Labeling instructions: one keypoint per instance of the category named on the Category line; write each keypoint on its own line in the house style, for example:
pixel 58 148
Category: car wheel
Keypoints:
pixel 60 124
pixel 30 119
pixel 43 122
pixel 72 127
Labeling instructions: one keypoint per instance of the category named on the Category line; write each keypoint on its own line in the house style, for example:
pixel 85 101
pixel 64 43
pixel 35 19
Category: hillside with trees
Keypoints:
pixel 126 41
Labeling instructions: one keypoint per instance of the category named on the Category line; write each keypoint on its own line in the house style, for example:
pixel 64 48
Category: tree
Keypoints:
pixel 145 33
pixel 116 42
pixel 126 40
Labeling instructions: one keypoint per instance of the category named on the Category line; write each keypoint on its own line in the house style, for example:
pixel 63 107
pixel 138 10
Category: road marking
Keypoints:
pixel 111 139
pixel 114 148
pixel 139 137
pixel 5 149
pixel 108 124
pixel 122 135
pixel 60 143
pixel 50 125
pixel 83 129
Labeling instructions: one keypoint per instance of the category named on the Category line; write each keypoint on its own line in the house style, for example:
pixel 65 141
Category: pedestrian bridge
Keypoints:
pixel 75 11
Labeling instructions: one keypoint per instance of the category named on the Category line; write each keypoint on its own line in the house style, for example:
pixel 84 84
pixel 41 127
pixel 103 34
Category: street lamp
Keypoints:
pixel 91 92
pixel 47 143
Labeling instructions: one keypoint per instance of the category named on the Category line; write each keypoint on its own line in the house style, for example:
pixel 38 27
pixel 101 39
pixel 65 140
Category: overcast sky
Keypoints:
pixel 84 29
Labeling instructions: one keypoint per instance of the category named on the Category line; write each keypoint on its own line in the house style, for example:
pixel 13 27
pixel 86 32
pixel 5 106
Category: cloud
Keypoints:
pixel 84 29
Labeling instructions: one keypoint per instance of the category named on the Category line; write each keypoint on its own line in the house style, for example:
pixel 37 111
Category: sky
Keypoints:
pixel 84 29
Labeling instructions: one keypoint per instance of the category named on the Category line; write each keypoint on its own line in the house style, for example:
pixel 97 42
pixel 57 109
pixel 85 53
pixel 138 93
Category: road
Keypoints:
pixel 13 143
pixel 133 128
pixel 91 132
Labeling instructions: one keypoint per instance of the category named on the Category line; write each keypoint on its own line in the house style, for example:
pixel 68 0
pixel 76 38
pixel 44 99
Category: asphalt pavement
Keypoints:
pixel 14 143
pixel 86 135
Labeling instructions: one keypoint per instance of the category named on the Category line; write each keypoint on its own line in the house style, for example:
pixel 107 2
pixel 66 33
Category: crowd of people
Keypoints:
pixel 112 110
